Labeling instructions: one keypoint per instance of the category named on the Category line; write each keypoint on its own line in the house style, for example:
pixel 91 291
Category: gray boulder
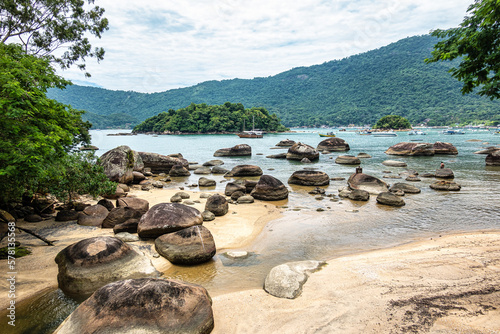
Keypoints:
pixel 309 178
pixel 119 163
pixel 347 160
pixel 240 150
pixel 277 156
pixel 404 187
pixel 204 182
pixel 286 143
pixel 219 170
pixel 333 144
pixel 444 173
pixel 92 215
pixel 135 203
pixel 215 162
pixel 446 185
pixel 388 198
pixel 245 170
pixel 300 151
pixel 217 204
pixel 231 187
pixel 161 163
pixel 359 195
pixel 203 171
pixel 493 158
pixel 246 199
pixel 207 216
pixel 411 149
pixel 269 189
pixel 178 170
pixel 367 182
pixel 119 216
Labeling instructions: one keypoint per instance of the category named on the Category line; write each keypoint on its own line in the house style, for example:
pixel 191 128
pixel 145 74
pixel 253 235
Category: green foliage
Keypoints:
pixel 202 118
pixel 359 90
pixel 19 251
pixel 43 26
pixel 476 43
pixel 392 122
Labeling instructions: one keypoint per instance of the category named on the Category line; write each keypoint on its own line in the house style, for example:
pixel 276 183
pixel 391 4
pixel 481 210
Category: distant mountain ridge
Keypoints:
pixel 356 90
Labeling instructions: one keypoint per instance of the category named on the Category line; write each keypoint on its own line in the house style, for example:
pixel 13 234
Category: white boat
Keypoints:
pixel 384 134
pixel 416 132
pixel 453 132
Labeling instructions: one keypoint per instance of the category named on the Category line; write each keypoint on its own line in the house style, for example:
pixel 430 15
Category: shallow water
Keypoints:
pixel 345 227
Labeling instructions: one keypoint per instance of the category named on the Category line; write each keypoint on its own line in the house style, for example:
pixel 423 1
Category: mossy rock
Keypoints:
pixel 19 252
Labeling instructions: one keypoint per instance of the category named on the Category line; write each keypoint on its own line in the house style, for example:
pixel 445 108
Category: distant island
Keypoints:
pixel 203 118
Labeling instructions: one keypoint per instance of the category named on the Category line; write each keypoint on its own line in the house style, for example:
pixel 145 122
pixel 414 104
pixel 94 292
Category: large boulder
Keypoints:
pixel 444 148
pixel 143 305
pixel 286 143
pixel 161 163
pixel 493 158
pixel 309 178
pixel 91 263
pixel 192 245
pixel 446 185
pixel 205 182
pixel 333 144
pixel 231 187
pixel 368 183
pixel 135 203
pixel 286 280
pixel 119 163
pixel 411 149
pixel 119 216
pixel 347 160
pixel 388 198
pixel 166 218
pixel 269 188
pixel 215 162
pixel 404 187
pixel 444 173
pixel 179 170
pixel 217 204
pixel 245 170
pixel 219 170
pixel 92 215
pixel 240 150
pixel 358 195
pixel 300 151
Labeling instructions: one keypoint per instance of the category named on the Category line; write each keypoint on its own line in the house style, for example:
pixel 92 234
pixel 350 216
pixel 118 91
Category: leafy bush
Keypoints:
pixel 392 122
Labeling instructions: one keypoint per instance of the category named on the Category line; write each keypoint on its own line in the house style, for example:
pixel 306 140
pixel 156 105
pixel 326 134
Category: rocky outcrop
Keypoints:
pixel 367 182
pixel 92 215
pixel 192 245
pixel 269 189
pixel 309 178
pixel 287 280
pixel 411 149
pixel 178 170
pixel 333 144
pixel 286 143
pixel 347 160
pixel 161 163
pixel 245 170
pixel 444 148
pixel 493 158
pixel 89 264
pixel 143 306
pixel 300 151
pixel 119 164
pixel 240 150
pixel 446 185
pixel 217 204
pixel 388 198
pixel 444 173
pixel 404 187
pixel 166 218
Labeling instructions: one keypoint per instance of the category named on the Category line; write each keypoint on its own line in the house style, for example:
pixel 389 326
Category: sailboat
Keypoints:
pixel 250 134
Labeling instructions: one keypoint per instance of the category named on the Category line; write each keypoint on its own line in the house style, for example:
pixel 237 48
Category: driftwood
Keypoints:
pixel 48 242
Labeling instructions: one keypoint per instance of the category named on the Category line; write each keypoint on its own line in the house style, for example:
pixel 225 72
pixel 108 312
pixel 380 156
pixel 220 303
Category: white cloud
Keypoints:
pixel 170 44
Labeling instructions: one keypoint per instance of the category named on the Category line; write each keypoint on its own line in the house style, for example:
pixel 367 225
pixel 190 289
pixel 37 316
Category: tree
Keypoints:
pixel 44 26
pixel 476 42
pixel 392 122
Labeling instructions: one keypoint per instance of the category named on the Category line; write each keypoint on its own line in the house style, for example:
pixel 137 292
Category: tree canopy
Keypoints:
pixel 44 26
pixel 392 122
pixel 477 43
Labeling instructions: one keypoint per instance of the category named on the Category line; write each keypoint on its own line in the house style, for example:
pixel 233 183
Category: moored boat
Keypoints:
pixel 384 134
pixel 329 134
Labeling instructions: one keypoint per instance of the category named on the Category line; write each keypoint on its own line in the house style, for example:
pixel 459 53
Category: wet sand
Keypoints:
pixel 443 285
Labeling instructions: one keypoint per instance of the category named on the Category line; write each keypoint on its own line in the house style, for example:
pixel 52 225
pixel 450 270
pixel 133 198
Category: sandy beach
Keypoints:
pixel 448 284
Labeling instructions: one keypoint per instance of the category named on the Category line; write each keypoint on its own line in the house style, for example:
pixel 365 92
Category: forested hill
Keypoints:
pixel 356 90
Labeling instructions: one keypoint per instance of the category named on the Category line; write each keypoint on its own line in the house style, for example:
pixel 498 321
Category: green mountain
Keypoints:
pixel 356 90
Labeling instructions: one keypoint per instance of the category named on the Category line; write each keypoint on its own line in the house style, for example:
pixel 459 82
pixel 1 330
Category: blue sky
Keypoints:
pixel 155 46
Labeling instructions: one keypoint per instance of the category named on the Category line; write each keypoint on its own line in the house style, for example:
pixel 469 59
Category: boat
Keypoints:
pixel 384 134
pixel 251 134
pixel 364 132
pixel 415 132
pixel 453 132
pixel 329 134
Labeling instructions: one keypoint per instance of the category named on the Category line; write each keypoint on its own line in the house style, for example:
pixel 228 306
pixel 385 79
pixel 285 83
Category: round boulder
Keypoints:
pixel 333 144
pixel 204 182
pixel 269 188
pixel 405 187
pixel 166 218
pixel 388 198
pixel 347 160
pixel 286 143
pixel 119 216
pixel 245 170
pixel 89 264
pixel 246 199
pixel 217 204
pixel 135 203
pixel 92 215
pixel 219 170
pixel 300 151
pixel 359 195
pixel 232 187
pixel 444 173
pixel 309 178
pixel 202 171
pixel 240 150
pixel 192 245
pixel 178 170
pixel 118 164
pixel 158 163
pixel 493 158
pixel 143 305
pixel 446 185
pixel 367 182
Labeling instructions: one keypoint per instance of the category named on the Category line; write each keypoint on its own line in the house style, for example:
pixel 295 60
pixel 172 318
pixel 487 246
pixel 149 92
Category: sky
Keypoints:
pixel 158 45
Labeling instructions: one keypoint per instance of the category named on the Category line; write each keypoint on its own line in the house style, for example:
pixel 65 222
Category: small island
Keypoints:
pixel 206 119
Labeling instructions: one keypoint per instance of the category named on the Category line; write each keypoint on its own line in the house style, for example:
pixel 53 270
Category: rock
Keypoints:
pixel 33 218
pixel 219 170
pixel 445 185
pixel 363 155
pixel 347 160
pixel 67 215
pixel 207 216
pixel 119 162
pixel 493 159
pixel 237 254
pixel 367 182
pixel 286 280
pixel 333 144
pixel 107 204
pixel 300 151
pixel 183 194
pixel 394 163
pixel 166 218
pixel 245 170
pixel 143 305
pixel 388 198
pixel 93 215
pixel 130 226
pixel 203 171
pixel 309 178
pixel 157 184
pixel 317 191
pixel 305 161
pixel 194 167
pixel 161 163
pixel 217 204
pixel 231 187
pixel 138 177
pixel 124 187
pixel 237 194
pixel 178 170
pixel 79 206
pixel 444 148
pixel 215 162
pixel 91 263
pixel 413 178
pixel 204 182
pixel 189 246
pixel 405 187
pixel 277 156
pixel 411 149
pixel 176 199
pixel 488 150
pixel 135 203
pixel 247 199
pixel 286 143
pixel 119 216
pixel 240 150
pixel 359 195
pixel 250 185
pixel 118 193
pixel 444 173
pixel 205 195
pixel 126 237
pixel 269 189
